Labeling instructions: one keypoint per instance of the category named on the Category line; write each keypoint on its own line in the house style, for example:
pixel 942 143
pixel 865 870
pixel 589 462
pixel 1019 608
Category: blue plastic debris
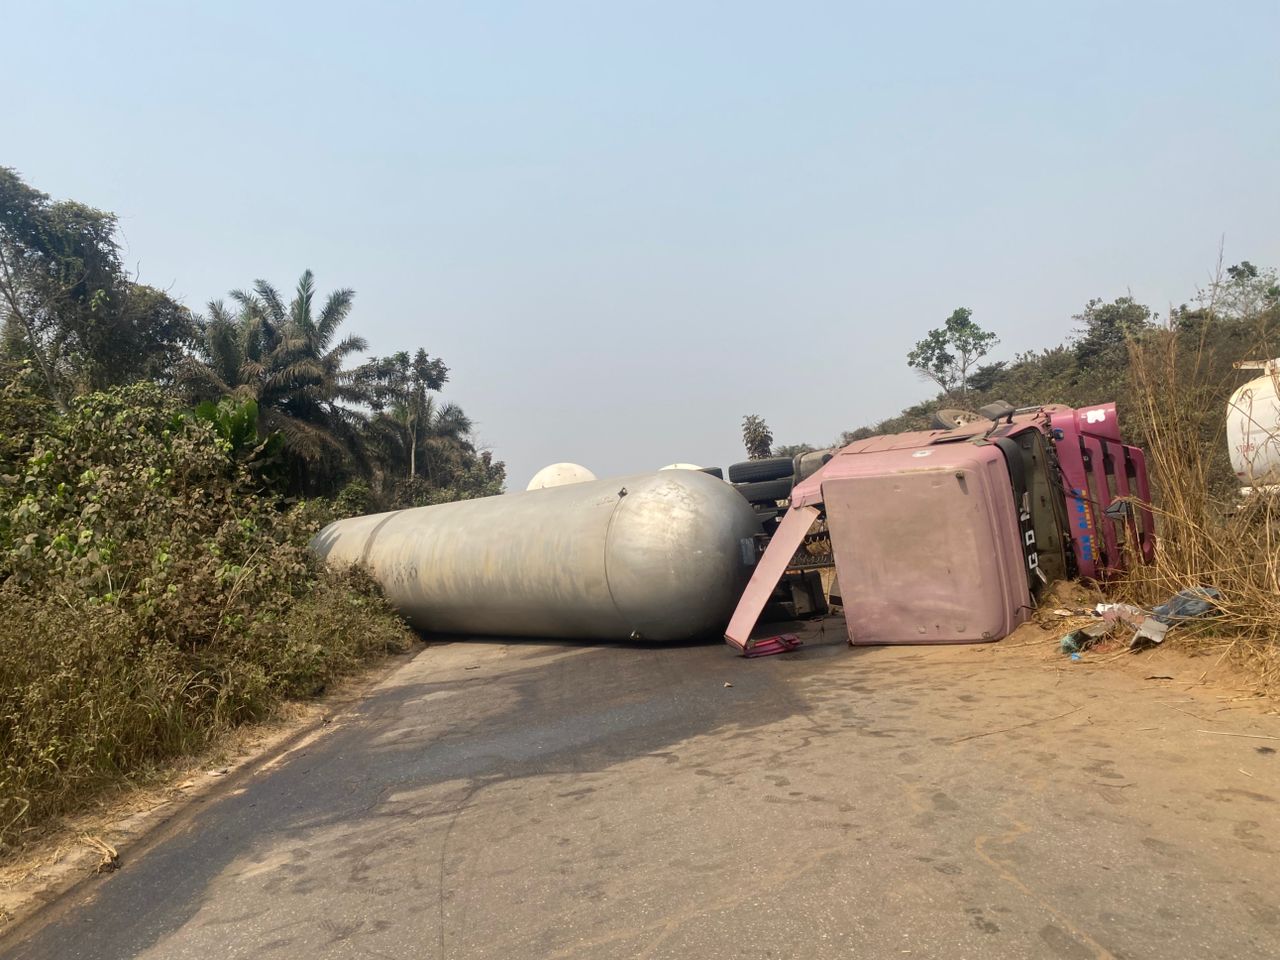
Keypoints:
pixel 1188 605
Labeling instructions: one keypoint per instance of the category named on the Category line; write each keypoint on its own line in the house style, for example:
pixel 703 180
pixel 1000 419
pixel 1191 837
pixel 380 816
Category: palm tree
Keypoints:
pixel 285 358
pixel 445 439
pixel 400 386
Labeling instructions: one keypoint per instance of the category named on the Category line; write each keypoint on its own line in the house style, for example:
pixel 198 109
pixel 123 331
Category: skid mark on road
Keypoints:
pixel 473 787
pixel 1005 871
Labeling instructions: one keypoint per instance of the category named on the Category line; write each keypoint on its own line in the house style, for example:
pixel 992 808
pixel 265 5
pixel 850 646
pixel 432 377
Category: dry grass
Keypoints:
pixel 1207 534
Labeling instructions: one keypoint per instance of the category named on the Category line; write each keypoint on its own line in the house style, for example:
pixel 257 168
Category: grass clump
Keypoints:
pixel 155 594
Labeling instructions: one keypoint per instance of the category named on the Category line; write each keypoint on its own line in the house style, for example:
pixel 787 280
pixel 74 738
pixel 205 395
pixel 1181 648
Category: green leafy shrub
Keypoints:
pixel 153 597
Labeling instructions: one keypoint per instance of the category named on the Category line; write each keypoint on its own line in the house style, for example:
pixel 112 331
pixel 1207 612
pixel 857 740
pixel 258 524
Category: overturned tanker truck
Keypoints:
pixel 949 536
pixel 944 536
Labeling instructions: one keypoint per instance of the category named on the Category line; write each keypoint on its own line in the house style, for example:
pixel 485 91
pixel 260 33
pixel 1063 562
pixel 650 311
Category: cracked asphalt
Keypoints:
pixel 537 800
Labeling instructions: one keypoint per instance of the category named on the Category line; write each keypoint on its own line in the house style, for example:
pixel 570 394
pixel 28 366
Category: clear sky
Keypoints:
pixel 626 225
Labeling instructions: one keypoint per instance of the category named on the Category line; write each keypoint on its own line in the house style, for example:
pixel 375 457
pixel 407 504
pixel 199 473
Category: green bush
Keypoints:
pixel 153 598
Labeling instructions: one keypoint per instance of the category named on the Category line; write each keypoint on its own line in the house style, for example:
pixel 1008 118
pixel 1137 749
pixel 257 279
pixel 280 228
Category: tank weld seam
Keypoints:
pixel 373 535
pixel 608 584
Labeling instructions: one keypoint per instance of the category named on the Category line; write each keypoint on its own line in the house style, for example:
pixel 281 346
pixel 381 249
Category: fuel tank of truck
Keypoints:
pixel 659 557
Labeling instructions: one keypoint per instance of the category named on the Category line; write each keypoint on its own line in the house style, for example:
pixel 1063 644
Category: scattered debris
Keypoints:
pixel 1079 640
pixel 728 684
pixel 1188 605
pixel 1151 631
pixel 1120 612
pixel 1158 676
pixel 783 643
pixel 1251 736
pixel 1149 628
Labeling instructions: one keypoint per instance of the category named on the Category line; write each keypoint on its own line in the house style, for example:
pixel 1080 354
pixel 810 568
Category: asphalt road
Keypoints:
pixel 532 800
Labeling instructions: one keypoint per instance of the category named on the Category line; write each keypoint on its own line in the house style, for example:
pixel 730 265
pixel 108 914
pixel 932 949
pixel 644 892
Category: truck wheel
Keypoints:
pixel 948 418
pixel 765 491
pixel 807 464
pixel 749 471
pixel 714 471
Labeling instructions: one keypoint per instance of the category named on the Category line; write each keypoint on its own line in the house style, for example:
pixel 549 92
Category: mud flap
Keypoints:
pixel 777 557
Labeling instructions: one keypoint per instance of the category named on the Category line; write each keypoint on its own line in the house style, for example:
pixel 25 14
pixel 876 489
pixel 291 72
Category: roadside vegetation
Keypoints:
pixel 1179 381
pixel 161 472
pixel 1171 378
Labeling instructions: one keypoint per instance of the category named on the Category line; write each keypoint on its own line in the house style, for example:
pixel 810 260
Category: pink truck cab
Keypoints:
pixel 948 536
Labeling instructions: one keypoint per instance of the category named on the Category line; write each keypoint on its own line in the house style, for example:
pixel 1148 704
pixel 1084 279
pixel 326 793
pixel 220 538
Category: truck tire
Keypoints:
pixel 749 471
pixel 949 419
pixel 714 471
pixel 765 491
pixel 807 464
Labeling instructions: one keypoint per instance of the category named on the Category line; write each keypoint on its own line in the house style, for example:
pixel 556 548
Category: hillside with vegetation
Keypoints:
pixel 161 471
pixel 1172 378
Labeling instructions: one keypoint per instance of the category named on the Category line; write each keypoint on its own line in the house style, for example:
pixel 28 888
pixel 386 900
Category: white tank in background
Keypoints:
pixel 681 466
pixel 558 474
pixel 1253 426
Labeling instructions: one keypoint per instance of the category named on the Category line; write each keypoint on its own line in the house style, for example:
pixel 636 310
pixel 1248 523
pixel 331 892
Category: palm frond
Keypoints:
pixel 345 347
pixel 300 306
pixel 270 298
pixel 332 316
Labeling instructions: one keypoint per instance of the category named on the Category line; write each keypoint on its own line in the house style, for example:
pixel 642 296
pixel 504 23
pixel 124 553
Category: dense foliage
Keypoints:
pixel 153 596
pixel 70 311
pixel 160 476
pixel 948 354
pixel 67 304
pixel 1237 317
pixel 756 437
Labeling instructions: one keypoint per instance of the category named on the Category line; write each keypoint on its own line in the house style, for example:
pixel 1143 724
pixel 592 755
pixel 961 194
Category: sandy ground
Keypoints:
pixel 492 799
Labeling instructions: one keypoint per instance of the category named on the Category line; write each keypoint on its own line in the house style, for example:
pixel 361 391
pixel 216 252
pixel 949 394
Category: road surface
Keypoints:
pixel 535 800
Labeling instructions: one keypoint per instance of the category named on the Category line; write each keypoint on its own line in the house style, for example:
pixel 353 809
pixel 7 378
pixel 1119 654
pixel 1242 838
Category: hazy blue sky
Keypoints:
pixel 625 225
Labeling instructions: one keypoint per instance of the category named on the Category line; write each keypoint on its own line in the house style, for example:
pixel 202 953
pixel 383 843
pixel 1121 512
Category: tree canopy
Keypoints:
pixel 68 306
pixel 756 437
pixel 950 352
pixel 72 321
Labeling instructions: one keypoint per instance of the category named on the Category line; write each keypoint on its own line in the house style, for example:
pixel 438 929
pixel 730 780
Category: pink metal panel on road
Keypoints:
pixel 769 571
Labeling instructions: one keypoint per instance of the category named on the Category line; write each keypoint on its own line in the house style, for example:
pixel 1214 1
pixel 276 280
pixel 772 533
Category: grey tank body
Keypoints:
pixel 660 556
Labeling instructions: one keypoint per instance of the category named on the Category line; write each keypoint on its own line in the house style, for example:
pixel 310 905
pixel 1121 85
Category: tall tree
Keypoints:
pixel 756 437
pixel 67 304
pixel 400 386
pixel 1243 293
pixel 1105 328
pixel 950 352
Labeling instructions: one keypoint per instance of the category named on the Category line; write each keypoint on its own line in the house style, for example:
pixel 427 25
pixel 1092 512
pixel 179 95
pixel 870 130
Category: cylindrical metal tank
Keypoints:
pixel 559 474
pixel 660 556
pixel 1253 432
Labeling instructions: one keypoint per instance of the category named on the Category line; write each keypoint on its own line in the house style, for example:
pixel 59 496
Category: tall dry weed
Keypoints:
pixel 1208 534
